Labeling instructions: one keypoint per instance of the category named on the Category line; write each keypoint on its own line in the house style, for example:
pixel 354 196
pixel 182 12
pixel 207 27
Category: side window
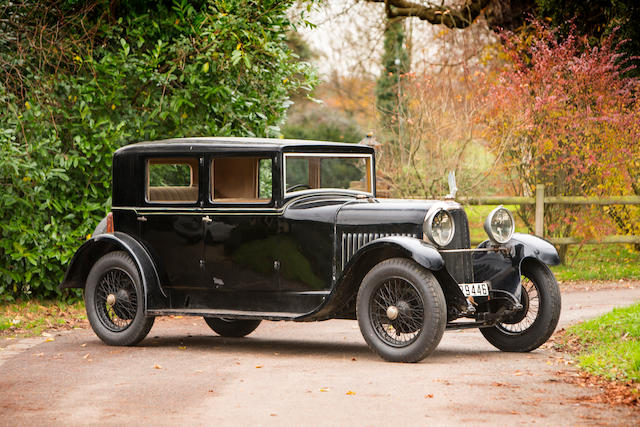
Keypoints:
pixel 172 180
pixel 241 180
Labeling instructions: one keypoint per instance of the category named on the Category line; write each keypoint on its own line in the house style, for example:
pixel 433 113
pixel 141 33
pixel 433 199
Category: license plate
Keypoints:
pixel 474 289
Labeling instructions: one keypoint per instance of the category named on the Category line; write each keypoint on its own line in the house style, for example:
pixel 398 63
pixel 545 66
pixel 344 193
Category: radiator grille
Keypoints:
pixel 351 242
pixel 459 265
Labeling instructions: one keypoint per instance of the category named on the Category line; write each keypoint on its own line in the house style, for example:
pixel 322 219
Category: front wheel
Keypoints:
pixel 532 326
pixel 114 300
pixel 401 310
pixel 235 328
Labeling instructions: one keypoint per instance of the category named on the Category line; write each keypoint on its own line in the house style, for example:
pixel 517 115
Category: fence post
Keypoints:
pixel 539 230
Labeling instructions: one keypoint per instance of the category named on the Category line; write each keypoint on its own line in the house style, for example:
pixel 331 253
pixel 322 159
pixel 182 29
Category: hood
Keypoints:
pixel 388 211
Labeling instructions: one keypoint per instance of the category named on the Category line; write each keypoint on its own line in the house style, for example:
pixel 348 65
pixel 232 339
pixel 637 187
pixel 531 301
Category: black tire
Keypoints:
pixel 534 324
pixel 234 328
pixel 415 329
pixel 121 320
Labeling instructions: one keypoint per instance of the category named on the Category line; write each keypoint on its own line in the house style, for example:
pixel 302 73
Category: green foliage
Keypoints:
pixel 610 344
pixel 599 262
pixel 169 175
pixel 110 76
pixel 265 178
pixel 321 123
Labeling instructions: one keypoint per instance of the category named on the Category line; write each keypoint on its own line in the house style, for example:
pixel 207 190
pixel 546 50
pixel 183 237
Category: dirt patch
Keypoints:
pixel 590 285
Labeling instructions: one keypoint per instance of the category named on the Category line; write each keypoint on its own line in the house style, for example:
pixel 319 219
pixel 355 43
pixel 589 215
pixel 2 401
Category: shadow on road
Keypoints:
pixel 293 347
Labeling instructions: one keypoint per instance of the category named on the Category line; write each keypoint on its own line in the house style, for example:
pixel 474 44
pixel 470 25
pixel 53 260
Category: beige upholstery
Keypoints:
pixel 173 194
pixel 235 177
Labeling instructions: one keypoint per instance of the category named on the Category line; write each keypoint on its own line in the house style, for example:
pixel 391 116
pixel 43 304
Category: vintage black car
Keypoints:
pixel 240 230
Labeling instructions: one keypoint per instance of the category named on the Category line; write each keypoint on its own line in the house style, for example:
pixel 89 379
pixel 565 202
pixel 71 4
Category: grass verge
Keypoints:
pixel 599 262
pixel 31 318
pixel 608 347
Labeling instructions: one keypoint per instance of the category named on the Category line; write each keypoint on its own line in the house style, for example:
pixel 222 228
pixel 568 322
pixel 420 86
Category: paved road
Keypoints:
pixel 294 374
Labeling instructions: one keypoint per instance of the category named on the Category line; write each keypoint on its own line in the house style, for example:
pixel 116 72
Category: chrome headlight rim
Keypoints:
pixel 428 225
pixel 487 225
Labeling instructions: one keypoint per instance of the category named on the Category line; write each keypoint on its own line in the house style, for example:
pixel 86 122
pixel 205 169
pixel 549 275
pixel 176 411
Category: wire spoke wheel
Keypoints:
pixel 116 302
pixel 530 327
pixel 530 300
pixel 397 312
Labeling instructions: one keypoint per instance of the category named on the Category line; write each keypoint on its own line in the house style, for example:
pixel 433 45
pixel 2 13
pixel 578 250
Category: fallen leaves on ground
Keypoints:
pixel 610 392
pixel 30 318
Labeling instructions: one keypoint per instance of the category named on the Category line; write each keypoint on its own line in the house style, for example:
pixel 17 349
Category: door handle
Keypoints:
pixel 142 218
pixel 206 219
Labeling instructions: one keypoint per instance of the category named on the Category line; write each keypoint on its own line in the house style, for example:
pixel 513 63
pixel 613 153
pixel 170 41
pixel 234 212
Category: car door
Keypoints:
pixel 171 220
pixel 240 240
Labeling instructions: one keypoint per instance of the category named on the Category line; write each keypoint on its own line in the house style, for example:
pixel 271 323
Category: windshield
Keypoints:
pixel 331 171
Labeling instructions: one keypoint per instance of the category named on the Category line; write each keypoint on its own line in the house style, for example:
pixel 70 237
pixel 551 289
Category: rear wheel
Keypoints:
pixel 532 326
pixel 235 328
pixel 114 301
pixel 401 311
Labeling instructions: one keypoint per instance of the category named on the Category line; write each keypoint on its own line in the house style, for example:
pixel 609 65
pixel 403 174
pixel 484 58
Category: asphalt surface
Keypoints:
pixel 294 374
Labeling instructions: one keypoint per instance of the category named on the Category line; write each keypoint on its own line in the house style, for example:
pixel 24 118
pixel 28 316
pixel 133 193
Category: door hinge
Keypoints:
pixel 202 264
pixel 206 219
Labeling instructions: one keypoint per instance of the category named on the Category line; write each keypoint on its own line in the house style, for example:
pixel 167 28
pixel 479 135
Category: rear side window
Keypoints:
pixel 172 180
pixel 241 180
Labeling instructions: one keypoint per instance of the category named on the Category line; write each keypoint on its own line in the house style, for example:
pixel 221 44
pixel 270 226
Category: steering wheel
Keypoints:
pixel 298 186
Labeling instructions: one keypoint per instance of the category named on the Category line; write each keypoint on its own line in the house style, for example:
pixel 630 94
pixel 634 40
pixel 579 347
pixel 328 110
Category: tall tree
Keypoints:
pixel 395 63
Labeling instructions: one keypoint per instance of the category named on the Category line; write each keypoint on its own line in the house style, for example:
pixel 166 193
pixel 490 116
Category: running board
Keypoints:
pixel 231 314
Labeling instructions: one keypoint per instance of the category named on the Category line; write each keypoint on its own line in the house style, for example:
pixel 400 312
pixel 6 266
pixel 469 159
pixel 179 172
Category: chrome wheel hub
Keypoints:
pixel 111 300
pixel 392 312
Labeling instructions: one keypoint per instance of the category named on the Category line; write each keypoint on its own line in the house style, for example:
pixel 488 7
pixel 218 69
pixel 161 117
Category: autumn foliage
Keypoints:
pixel 563 114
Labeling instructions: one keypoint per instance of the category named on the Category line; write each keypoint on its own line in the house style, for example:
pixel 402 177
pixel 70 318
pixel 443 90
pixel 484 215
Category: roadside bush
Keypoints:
pixel 566 115
pixel 80 79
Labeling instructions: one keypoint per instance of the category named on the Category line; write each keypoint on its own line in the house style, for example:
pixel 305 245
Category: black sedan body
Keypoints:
pixel 241 230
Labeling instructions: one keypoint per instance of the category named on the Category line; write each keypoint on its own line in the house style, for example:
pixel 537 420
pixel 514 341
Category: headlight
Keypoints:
pixel 438 226
pixel 500 225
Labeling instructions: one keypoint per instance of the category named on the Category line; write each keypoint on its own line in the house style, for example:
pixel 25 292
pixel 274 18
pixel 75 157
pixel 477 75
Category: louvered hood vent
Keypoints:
pixel 352 242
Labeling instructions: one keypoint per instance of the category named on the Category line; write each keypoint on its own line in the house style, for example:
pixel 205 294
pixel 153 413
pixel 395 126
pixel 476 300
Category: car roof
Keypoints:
pixel 214 144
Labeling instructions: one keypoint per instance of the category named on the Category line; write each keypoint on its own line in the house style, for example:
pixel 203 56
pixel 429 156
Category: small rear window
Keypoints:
pixel 172 180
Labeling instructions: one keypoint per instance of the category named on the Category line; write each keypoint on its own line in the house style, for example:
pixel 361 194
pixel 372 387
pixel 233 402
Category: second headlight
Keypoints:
pixel 500 225
pixel 439 226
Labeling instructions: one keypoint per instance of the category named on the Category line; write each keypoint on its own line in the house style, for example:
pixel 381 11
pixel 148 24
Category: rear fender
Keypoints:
pixel 98 246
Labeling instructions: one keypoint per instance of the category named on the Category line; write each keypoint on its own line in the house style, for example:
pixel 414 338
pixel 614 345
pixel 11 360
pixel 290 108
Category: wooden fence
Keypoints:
pixel 540 201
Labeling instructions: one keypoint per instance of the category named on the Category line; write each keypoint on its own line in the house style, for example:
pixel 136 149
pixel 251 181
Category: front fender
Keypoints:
pixel 502 268
pixel 96 247
pixel 536 247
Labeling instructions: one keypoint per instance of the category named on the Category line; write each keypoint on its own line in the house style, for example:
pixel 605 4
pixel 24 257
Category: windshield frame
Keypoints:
pixel 370 174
